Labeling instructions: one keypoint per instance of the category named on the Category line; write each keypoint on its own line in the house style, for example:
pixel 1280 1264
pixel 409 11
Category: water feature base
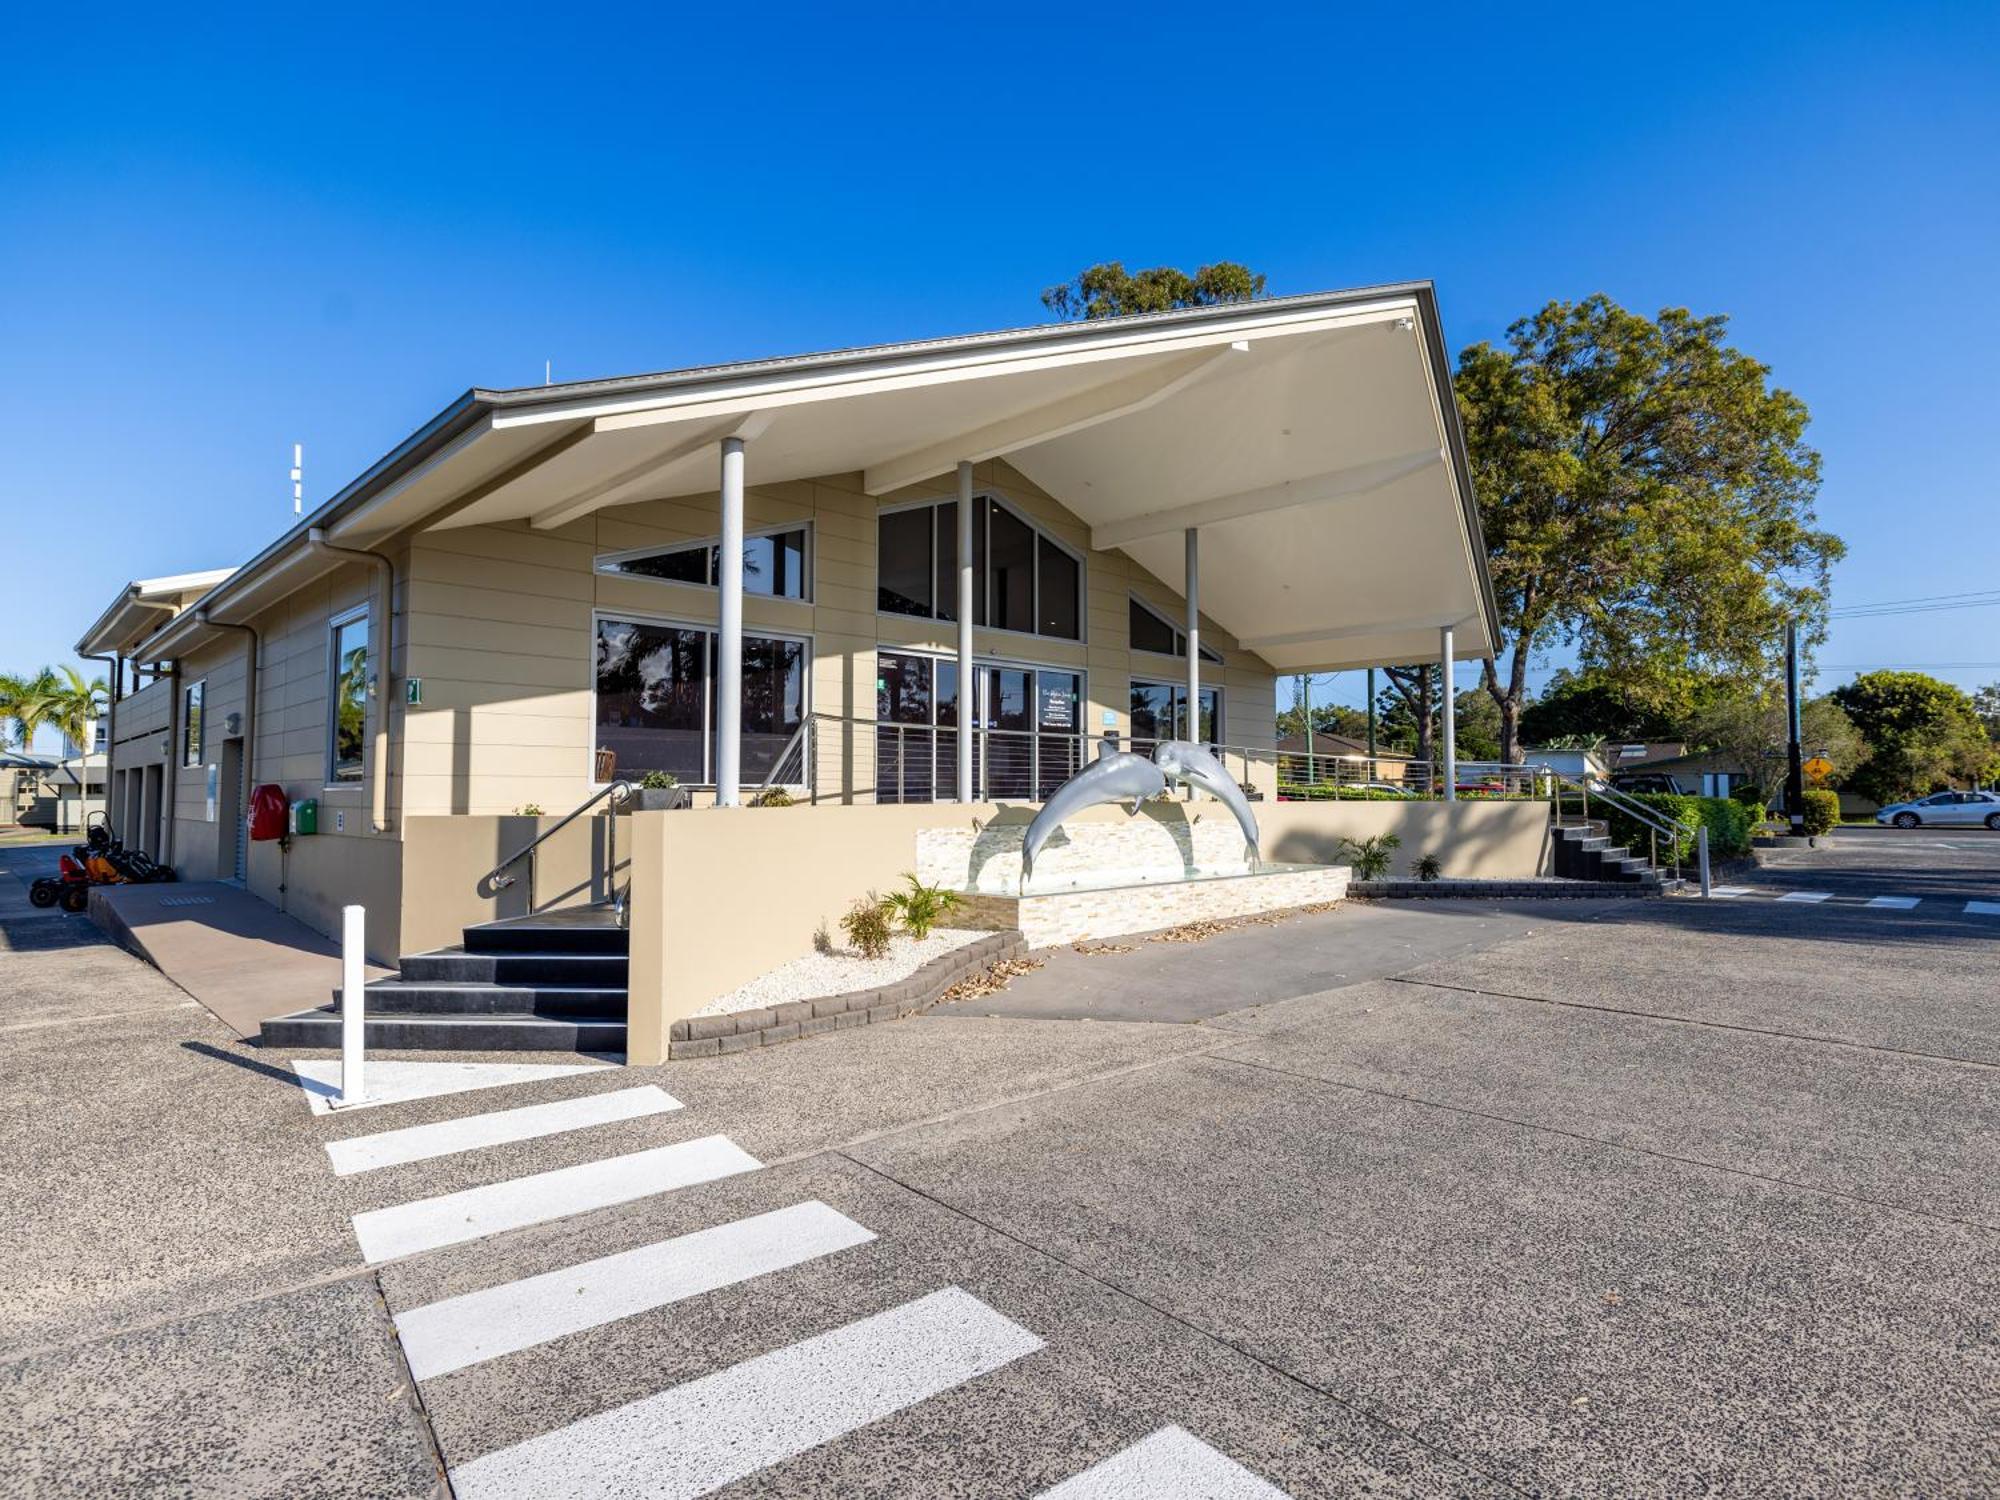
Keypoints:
pixel 1084 913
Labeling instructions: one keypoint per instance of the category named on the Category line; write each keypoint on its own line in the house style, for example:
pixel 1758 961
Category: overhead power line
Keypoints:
pixel 1924 604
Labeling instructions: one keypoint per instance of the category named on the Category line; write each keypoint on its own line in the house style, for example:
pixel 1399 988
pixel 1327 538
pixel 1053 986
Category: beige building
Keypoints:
pixel 534 594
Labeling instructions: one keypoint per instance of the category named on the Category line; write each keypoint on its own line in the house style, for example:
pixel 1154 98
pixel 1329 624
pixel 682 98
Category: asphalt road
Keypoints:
pixel 1598 1198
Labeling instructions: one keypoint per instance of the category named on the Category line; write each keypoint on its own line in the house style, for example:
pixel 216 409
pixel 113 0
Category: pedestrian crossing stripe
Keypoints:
pixel 391 1148
pixel 692 1439
pixel 1172 1464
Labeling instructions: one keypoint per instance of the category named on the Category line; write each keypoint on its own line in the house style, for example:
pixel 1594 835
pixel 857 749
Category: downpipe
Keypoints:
pixel 385 611
pixel 250 669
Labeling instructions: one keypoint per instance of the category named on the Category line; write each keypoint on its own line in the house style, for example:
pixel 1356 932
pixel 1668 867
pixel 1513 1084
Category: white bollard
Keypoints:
pixel 1701 853
pixel 353 942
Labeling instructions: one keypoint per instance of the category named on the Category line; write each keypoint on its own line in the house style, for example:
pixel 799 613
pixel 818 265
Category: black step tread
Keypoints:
pixel 407 997
pixel 512 1033
pixel 564 970
pixel 548 934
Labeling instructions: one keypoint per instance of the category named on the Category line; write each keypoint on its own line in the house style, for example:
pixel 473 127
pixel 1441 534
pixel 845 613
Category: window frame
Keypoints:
pixel 605 563
pixel 195 692
pixel 1039 532
pixel 710 628
pixel 1221 706
pixel 329 781
pixel 1208 653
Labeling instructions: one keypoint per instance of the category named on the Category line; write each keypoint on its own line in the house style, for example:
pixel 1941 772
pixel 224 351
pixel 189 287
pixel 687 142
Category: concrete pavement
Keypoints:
pixel 1646 1198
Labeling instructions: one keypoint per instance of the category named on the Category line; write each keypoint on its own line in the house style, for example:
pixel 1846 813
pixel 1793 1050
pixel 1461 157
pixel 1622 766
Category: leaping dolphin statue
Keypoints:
pixel 1115 776
pixel 1186 761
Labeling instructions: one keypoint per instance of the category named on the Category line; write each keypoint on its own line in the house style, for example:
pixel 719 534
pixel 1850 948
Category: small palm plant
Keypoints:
pixel 1429 867
pixel 921 907
pixel 1370 856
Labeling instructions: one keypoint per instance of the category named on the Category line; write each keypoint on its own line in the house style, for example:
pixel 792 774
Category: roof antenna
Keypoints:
pixel 298 478
pixel 548 372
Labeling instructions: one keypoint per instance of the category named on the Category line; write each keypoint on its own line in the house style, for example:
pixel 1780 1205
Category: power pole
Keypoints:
pixel 1795 775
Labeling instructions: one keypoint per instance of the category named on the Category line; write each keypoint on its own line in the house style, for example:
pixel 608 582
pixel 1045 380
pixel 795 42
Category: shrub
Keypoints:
pixel 1429 867
pixel 1750 796
pixel 1289 791
pixel 921 907
pixel 1729 822
pixel 530 810
pixel 867 926
pixel 1370 856
pixel 658 781
pixel 1822 811
pixel 773 796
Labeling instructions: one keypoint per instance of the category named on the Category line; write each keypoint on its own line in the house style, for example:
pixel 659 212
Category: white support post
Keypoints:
pixel 1701 853
pixel 729 633
pixel 1448 713
pixel 967 698
pixel 353 1002
pixel 1193 541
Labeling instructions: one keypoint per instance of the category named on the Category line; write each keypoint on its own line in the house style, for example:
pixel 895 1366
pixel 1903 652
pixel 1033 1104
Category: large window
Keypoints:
pixel 1023 579
pixel 656 698
pixel 1029 739
pixel 1159 712
pixel 1153 631
pixel 347 698
pixel 776 563
pixel 191 740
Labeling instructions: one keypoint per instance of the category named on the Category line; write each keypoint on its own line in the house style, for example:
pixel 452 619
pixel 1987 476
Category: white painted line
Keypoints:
pixel 430 1223
pixel 1982 908
pixel 1807 896
pixel 1728 891
pixel 1895 903
pixel 1172 1464
pixel 391 1148
pixel 467 1330
pixel 398 1082
pixel 697 1437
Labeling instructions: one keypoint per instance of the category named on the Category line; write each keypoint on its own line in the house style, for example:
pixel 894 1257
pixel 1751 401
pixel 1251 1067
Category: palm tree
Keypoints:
pixel 25 703
pixel 74 706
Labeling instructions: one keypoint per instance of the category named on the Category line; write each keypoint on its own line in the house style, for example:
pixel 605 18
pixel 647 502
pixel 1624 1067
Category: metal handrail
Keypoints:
pixel 496 879
pixel 1638 812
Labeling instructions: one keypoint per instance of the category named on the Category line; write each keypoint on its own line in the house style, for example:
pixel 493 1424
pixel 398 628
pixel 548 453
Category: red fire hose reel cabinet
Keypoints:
pixel 268 807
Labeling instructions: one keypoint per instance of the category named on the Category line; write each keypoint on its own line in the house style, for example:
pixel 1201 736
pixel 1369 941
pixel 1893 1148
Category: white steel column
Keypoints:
pixel 729 633
pixel 967 698
pixel 1448 713
pixel 1193 538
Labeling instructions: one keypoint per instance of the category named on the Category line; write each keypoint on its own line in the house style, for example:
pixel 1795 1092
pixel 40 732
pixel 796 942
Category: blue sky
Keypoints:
pixel 222 232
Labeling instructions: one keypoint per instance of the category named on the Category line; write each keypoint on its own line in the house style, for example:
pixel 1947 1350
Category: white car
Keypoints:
pixel 1945 810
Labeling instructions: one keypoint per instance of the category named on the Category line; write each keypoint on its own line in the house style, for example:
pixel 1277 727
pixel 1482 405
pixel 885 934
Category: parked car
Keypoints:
pixel 1945 810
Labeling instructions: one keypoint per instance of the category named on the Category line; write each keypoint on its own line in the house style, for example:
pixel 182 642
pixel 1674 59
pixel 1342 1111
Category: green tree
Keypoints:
pixel 1406 711
pixel 1327 718
pixel 1986 703
pixel 1108 290
pixel 73 705
pixel 1749 726
pixel 1646 496
pixel 1584 707
pixel 1921 733
pixel 24 704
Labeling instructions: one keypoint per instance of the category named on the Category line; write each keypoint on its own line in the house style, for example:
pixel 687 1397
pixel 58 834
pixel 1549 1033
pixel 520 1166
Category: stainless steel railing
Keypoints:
pixel 497 879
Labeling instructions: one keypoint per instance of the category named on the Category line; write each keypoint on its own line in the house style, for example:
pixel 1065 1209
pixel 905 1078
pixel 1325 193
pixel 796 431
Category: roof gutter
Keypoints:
pixel 384 611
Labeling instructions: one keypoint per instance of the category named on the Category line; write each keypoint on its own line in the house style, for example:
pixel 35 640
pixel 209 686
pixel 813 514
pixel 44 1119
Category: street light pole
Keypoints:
pixel 1795 775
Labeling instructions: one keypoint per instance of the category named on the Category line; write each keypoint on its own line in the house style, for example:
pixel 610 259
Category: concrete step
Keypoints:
pixel 560 970
pixel 406 997
pixel 591 931
pixel 454 1033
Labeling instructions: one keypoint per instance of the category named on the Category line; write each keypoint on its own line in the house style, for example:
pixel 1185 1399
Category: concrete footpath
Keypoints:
pixel 1627 1198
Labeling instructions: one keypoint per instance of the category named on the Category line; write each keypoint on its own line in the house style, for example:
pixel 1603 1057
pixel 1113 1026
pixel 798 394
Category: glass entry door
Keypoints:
pixel 1026 723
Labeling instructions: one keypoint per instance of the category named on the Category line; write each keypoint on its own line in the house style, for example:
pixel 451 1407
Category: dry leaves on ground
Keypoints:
pixel 992 979
pixel 1092 950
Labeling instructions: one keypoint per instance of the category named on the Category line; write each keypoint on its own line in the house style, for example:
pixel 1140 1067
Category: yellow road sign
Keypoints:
pixel 1819 767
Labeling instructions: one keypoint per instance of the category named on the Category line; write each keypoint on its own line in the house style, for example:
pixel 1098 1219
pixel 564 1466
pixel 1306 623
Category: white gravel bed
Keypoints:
pixel 841 971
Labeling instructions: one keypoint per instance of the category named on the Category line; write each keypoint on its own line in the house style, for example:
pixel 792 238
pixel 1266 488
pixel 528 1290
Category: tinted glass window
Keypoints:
pixel 776 565
pixel 652 696
pixel 686 565
pixel 904 578
pixel 1061 582
pixel 349 698
pixel 1150 632
pixel 774 683
pixel 947 562
pixel 1012 542
pixel 1152 711
pixel 191 723
pixel 902 688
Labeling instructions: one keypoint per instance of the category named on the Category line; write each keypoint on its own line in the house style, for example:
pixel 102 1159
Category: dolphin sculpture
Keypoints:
pixel 1115 776
pixel 1188 762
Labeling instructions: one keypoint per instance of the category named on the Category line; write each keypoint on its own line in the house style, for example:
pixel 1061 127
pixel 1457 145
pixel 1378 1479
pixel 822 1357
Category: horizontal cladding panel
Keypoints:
pixel 475 602
pixel 494 725
pixel 512 577
pixel 429 631
pixel 507 669
pixel 506 544
pixel 484 760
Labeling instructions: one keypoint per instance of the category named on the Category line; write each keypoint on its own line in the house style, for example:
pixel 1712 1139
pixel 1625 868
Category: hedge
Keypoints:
pixel 1822 811
pixel 1729 824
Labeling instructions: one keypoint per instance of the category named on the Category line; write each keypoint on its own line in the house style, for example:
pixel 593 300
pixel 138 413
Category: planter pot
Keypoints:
pixel 659 799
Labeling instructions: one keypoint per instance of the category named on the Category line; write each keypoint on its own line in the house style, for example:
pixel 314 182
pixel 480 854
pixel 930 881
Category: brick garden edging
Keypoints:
pixel 739 1031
